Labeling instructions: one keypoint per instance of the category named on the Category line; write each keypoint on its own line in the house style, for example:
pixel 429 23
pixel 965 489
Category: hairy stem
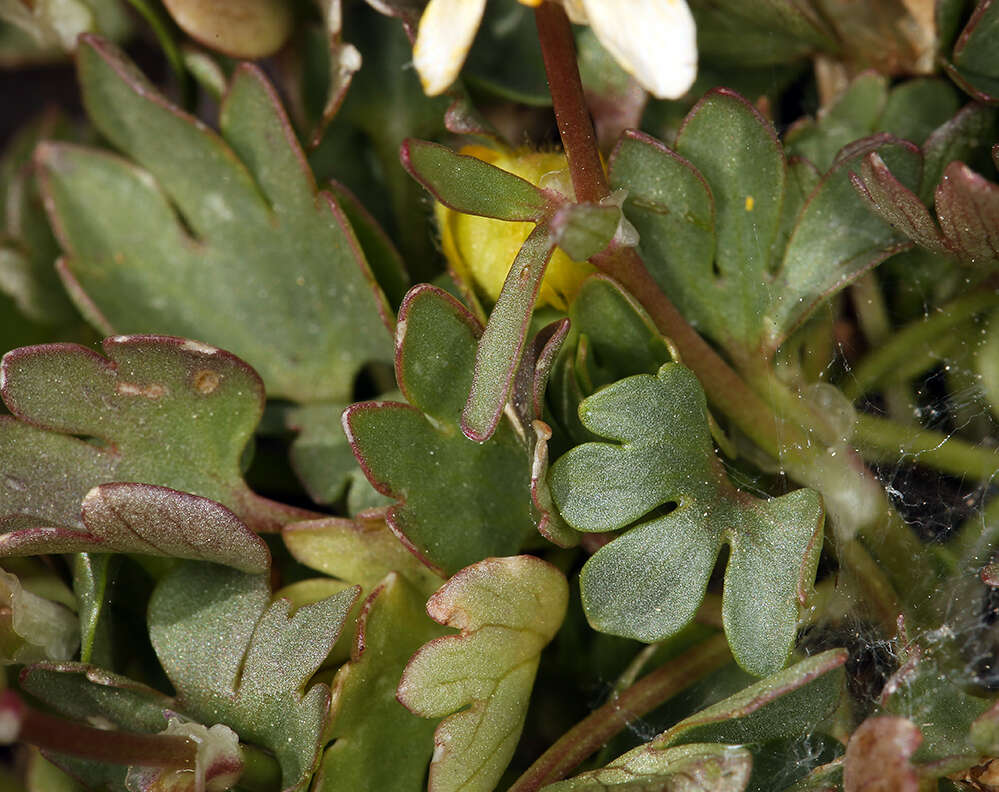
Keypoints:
pixel 601 725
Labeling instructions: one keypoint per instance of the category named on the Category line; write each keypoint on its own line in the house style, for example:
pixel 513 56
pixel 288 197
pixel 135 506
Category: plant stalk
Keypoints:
pixel 601 725
pixel 726 390
pixel 51 733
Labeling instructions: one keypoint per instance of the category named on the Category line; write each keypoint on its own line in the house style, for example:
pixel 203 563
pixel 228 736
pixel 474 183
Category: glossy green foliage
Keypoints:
pixel 162 411
pixel 258 262
pixel 648 583
pixel 236 658
pixel 744 257
pixel 379 744
pixel 459 501
pixel 507 609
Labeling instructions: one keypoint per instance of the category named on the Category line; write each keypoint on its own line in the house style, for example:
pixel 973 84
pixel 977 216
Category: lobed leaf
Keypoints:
pixel 261 262
pixel 721 232
pixel 161 411
pixel 236 658
pixel 459 501
pixel 507 609
pixel 647 583
pixel 379 744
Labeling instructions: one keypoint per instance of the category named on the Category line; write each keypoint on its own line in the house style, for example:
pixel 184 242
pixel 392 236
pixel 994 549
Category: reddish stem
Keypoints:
pixel 574 124
pixel 601 725
pixel 51 733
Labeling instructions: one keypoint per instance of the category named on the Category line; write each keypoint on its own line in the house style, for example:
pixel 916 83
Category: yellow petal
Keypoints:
pixel 654 40
pixel 446 31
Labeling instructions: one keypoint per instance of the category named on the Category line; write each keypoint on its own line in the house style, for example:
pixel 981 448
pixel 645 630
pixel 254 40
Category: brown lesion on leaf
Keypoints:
pixel 206 381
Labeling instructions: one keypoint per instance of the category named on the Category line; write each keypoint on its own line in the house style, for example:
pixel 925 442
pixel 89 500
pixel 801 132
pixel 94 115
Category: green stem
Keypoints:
pixel 883 440
pixel 872 316
pixel 601 725
pixel 161 29
pixel 884 361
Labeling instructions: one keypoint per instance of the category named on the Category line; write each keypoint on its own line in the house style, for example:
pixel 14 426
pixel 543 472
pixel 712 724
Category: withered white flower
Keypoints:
pixel 654 40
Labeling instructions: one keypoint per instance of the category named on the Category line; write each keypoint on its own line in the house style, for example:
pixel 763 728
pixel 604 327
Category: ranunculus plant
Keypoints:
pixel 582 396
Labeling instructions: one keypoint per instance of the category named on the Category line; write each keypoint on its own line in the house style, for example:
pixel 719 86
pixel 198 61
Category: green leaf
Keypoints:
pixel 379 745
pixel 720 768
pixel 713 224
pixel 965 137
pixel 248 201
pixel 361 551
pixel 320 454
pixel 836 238
pixel 148 520
pixel 236 658
pixel 161 411
pixel 27 247
pixel 788 704
pixel 502 343
pixel 975 63
pixel 90 584
pixel 507 609
pixel 853 115
pixel 469 185
pixel 459 501
pixel 736 151
pixel 647 583
pixel 583 230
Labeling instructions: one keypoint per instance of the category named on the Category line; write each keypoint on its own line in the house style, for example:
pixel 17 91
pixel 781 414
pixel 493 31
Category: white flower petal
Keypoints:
pixel 654 40
pixel 446 31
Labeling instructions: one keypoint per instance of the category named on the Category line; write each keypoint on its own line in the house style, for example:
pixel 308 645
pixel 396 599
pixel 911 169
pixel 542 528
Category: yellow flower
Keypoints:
pixel 654 40
pixel 481 250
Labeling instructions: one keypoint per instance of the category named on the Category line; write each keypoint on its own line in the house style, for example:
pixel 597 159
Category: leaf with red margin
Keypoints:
pixel 160 410
pixel 712 219
pixel 968 209
pixel 507 610
pixel 149 520
pixel 235 657
pixel 975 63
pixel 459 501
pixel 789 704
pixel 380 745
pixel 259 260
